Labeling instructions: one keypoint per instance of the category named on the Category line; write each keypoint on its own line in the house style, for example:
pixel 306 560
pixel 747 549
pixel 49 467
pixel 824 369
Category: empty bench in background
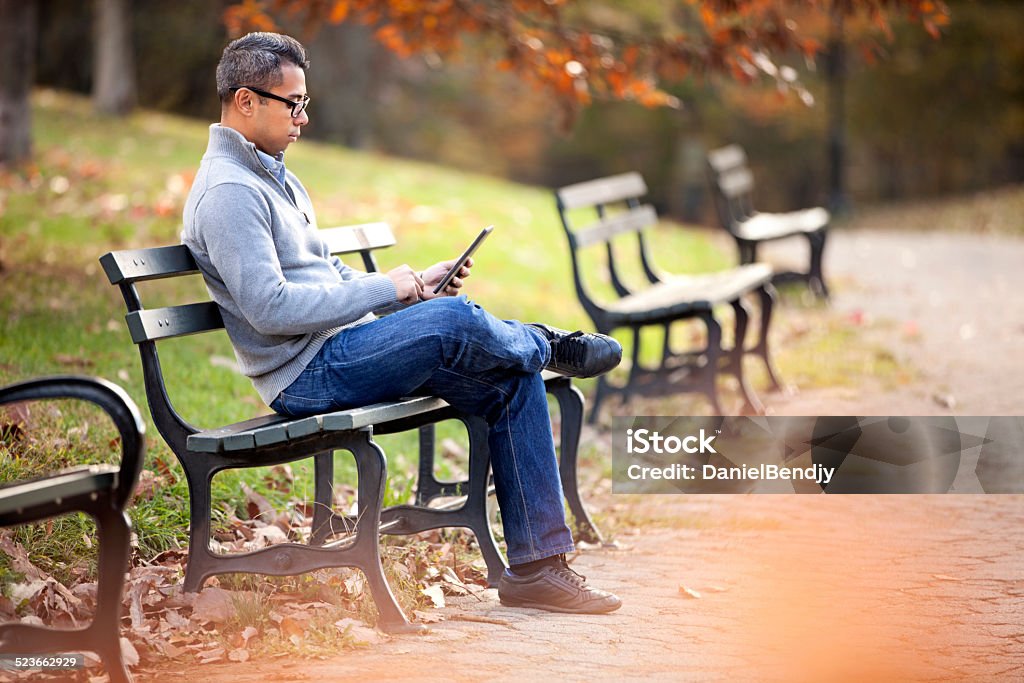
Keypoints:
pixel 101 491
pixel 662 299
pixel 274 439
pixel 732 183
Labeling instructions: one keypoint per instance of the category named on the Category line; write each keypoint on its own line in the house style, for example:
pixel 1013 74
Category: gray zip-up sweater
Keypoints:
pixel 280 292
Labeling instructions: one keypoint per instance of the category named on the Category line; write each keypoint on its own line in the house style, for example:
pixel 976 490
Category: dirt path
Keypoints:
pixel 951 305
pixel 791 588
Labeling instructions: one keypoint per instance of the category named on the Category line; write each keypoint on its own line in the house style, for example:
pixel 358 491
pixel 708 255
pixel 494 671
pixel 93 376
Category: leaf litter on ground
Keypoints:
pixel 237 619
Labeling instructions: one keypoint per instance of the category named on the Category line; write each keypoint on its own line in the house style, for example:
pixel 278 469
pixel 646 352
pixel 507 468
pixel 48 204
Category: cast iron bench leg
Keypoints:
pixel 114 529
pixel 476 501
pixel 471 514
pixel 767 296
pixel 102 635
pixel 326 522
pixel 742 316
pixel 635 370
pixel 714 353
pixel 201 561
pixel 748 251
pixel 599 395
pixel 371 466
pixel 816 277
pixel 570 405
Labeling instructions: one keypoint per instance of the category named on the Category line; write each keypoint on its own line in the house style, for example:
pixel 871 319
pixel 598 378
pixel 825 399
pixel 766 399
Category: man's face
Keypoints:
pixel 273 127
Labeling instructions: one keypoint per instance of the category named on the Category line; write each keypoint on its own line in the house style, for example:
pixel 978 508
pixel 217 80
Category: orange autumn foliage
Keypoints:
pixel 556 46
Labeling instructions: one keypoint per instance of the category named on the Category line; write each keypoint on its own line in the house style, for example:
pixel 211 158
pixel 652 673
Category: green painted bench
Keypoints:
pixel 336 539
pixel 732 183
pixel 603 216
pixel 101 491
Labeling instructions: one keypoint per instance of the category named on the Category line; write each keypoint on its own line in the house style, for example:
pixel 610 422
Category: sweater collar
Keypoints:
pixel 229 142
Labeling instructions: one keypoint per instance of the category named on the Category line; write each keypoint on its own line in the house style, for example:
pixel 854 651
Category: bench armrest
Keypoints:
pixel 108 396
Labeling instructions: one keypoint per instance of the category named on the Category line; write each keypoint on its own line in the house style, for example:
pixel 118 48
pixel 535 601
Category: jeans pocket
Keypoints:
pixel 300 406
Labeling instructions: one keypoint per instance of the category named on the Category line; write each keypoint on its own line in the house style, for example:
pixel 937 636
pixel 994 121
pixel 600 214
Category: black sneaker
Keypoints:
pixel 580 354
pixel 555 589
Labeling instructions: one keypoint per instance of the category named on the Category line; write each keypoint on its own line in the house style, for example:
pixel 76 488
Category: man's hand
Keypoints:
pixel 435 273
pixel 408 284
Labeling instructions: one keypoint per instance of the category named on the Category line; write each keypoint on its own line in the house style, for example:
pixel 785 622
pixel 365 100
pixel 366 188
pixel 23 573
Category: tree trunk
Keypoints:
pixel 17 65
pixel 114 65
pixel 342 83
pixel 838 200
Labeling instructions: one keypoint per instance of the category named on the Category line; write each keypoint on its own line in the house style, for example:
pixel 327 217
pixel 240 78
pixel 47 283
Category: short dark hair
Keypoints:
pixel 255 59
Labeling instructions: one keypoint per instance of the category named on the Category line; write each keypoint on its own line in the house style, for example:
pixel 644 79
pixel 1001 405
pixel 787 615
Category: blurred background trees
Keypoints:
pixel 918 116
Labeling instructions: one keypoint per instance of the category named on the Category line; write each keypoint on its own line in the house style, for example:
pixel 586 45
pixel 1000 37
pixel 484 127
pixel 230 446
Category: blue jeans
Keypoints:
pixel 454 349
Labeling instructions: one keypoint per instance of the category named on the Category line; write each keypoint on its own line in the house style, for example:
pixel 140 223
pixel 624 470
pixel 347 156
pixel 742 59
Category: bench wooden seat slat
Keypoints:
pixel 65 485
pixel 685 293
pixel 768 226
pixel 271 429
pixel 377 413
pixel 213 440
pixel 736 182
pixel 727 157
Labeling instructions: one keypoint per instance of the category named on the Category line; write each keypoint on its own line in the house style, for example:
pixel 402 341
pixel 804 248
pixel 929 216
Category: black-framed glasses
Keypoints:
pixel 297 107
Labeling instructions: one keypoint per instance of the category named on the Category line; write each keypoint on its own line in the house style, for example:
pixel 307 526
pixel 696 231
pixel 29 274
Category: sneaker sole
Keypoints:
pixel 555 608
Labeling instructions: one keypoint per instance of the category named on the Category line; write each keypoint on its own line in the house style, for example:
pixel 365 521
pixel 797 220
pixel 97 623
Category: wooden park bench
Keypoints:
pixel 733 186
pixel 101 491
pixel 662 299
pixel 275 439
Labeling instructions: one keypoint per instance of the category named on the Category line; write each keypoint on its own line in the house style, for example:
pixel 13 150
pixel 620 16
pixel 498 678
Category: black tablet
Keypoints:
pixel 446 280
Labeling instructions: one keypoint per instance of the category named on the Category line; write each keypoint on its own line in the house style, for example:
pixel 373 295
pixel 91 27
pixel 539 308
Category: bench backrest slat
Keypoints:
pixel 148 326
pixel 352 238
pixel 737 182
pixel 607 228
pixel 616 201
pixel 174 321
pixel 135 265
pixel 726 158
pixel 608 190
pixel 732 182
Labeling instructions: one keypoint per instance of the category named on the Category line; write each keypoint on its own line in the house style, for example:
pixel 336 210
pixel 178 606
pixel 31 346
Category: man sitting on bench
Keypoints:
pixel 304 331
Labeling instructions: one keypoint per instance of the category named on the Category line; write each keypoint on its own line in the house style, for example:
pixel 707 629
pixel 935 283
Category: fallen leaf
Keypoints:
pixel 72 361
pixel 355 629
pixel 687 592
pixel 257 506
pixel 436 595
pixel 212 604
pixel 427 617
pixel 291 627
pixel 210 656
pixel 239 655
pixel 128 653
